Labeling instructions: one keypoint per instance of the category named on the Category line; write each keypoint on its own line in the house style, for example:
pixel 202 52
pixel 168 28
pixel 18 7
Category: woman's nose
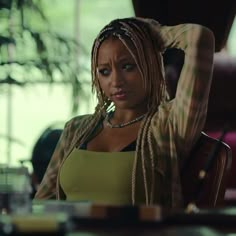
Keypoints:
pixel 117 79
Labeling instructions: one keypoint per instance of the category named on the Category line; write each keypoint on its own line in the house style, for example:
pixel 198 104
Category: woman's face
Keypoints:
pixel 119 76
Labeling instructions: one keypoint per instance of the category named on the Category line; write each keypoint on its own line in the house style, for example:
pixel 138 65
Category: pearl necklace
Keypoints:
pixel 108 122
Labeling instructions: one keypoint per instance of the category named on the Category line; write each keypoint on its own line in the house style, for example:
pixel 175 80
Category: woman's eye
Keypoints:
pixel 104 72
pixel 129 66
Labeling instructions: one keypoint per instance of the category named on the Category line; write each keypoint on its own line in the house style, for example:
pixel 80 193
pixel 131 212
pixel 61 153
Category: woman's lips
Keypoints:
pixel 119 95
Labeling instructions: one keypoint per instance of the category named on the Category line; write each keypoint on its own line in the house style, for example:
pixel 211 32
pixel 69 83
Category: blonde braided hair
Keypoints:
pixel 146 48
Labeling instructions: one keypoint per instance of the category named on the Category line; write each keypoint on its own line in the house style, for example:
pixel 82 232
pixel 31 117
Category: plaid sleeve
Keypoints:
pixel 47 188
pixel 190 104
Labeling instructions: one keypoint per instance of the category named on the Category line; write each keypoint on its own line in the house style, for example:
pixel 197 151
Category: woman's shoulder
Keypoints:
pixel 77 121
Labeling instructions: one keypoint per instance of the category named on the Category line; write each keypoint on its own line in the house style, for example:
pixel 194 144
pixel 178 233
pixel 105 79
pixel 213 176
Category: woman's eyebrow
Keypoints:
pixel 123 58
pixel 103 64
pixel 126 58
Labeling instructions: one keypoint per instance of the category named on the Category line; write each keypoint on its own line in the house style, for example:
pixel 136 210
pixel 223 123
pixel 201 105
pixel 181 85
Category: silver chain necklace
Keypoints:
pixel 109 124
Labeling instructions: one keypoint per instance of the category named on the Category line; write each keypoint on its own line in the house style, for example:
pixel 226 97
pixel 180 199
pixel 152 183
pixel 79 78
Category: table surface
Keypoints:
pixel 84 218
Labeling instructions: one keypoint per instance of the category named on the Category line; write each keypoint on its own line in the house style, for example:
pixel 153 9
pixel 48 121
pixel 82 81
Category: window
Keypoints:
pixel 231 44
pixel 27 111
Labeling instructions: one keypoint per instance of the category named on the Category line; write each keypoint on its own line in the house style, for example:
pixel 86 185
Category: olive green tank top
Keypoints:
pixel 98 177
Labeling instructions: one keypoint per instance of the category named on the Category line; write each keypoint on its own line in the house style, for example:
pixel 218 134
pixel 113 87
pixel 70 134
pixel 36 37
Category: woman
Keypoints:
pixel 131 149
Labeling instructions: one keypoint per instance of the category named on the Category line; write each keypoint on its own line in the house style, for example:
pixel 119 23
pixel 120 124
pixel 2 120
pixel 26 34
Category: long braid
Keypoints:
pixel 147 134
pixel 142 144
pixel 146 49
pixel 138 151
